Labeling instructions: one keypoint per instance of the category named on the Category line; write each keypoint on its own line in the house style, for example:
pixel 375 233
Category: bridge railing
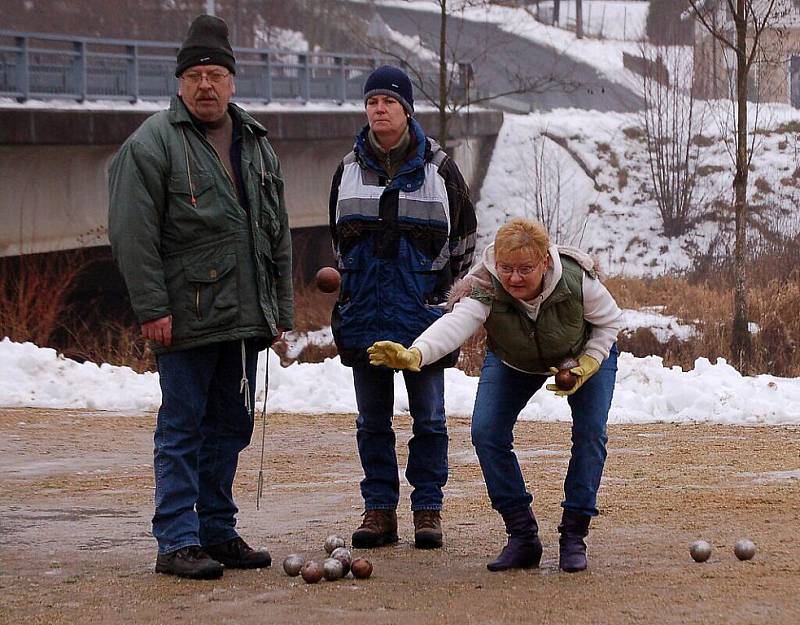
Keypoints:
pixel 43 66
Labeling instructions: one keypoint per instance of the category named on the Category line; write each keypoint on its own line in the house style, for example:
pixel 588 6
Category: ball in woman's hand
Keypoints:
pixel 565 379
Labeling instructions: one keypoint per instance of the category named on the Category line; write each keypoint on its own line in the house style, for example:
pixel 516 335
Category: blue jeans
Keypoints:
pixel 427 450
pixel 502 394
pixel 202 426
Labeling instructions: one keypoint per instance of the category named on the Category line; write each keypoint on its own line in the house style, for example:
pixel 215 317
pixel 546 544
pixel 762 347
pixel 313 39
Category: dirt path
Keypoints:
pixel 76 494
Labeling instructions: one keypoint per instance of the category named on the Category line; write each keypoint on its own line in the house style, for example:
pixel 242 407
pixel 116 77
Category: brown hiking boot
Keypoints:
pixel 427 529
pixel 379 527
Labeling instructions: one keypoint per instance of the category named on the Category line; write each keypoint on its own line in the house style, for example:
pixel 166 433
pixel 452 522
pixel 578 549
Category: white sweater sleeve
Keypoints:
pixel 451 330
pixel 600 310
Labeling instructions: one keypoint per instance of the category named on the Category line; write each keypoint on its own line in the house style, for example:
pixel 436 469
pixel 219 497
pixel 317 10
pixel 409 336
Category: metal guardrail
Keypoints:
pixel 42 66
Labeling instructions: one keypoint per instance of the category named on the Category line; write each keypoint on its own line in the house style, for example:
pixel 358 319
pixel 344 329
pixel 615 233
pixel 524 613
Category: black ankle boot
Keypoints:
pixel 572 549
pixel 524 549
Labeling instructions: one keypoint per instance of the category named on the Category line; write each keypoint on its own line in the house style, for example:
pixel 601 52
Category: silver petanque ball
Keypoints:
pixel 700 550
pixel 744 549
pixel 332 542
pixel 332 569
pixel 343 555
pixel 293 563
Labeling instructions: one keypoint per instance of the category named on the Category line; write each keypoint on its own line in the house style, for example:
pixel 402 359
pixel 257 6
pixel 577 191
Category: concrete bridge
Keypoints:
pixel 53 164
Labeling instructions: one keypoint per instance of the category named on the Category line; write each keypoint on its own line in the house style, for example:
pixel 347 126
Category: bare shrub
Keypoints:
pixel 670 116
pixel 35 292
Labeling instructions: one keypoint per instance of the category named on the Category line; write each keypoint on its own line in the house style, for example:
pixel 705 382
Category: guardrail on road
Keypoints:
pixel 43 66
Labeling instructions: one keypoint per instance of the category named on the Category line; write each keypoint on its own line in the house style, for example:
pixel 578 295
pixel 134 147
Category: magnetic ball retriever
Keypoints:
pixel 328 280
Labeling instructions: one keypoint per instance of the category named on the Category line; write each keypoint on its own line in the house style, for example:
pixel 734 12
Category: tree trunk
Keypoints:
pixel 579 18
pixel 442 136
pixel 740 338
pixel 556 12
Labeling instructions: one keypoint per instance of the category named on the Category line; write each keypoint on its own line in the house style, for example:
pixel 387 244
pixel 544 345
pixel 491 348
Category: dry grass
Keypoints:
pixel 774 308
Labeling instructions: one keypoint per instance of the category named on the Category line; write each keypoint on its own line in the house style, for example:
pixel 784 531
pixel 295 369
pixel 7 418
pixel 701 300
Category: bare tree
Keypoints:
pixel 550 190
pixel 671 117
pixel 749 18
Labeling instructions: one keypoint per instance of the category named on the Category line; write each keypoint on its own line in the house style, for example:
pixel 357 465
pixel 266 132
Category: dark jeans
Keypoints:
pixel 427 450
pixel 502 394
pixel 202 426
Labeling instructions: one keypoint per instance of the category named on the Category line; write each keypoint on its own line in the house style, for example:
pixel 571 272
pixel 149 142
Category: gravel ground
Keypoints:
pixel 76 497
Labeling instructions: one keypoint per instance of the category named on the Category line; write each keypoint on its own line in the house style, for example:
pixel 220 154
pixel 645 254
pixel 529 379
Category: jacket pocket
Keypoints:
pixel 197 206
pixel 213 291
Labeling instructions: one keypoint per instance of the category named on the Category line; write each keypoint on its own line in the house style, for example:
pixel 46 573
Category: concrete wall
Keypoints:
pixel 53 187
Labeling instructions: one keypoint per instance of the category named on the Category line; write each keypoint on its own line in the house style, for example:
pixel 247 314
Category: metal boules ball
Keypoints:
pixel 361 567
pixel 343 555
pixel 311 572
pixel 332 569
pixel 292 564
pixel 332 542
pixel 744 549
pixel 700 550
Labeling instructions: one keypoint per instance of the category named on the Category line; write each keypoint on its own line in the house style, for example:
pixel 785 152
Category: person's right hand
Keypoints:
pixel 394 355
pixel 158 330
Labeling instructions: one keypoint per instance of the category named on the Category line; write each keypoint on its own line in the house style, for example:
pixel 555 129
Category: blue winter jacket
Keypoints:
pixel 400 243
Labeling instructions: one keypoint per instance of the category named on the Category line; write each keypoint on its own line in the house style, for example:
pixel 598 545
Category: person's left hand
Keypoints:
pixel 587 367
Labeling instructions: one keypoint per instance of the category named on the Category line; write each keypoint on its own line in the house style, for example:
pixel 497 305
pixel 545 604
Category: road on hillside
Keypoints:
pixel 499 58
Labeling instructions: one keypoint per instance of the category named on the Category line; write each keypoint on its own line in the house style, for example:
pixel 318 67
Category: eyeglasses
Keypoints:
pixel 195 78
pixel 524 270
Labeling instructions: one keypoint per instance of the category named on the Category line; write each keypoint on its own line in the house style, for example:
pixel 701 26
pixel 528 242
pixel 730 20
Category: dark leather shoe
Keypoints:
pixel 427 529
pixel 190 562
pixel 237 554
pixel 379 527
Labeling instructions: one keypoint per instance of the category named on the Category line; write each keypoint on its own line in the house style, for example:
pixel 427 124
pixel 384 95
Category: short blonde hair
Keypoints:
pixel 522 234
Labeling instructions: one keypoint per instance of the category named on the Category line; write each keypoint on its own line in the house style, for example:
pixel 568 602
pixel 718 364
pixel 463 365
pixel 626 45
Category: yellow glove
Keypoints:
pixel 394 356
pixel 587 367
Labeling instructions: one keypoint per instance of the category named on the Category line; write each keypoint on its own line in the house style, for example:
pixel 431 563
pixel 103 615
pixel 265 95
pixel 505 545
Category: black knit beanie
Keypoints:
pixel 206 43
pixel 391 81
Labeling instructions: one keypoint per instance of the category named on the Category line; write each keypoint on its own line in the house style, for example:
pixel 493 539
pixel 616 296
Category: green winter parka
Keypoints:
pixel 183 241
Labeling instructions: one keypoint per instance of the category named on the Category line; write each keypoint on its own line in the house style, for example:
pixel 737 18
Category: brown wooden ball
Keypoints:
pixel 361 568
pixel 311 572
pixel 565 379
pixel 328 280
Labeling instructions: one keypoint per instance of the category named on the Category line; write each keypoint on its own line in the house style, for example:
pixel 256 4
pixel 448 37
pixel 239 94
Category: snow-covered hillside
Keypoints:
pixel 606 203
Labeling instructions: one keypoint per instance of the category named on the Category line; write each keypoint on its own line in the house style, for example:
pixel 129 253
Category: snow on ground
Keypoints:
pixel 646 391
pixel 662 326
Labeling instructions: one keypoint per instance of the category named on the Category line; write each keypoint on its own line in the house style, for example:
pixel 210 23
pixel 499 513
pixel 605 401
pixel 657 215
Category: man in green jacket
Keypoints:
pixel 198 226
